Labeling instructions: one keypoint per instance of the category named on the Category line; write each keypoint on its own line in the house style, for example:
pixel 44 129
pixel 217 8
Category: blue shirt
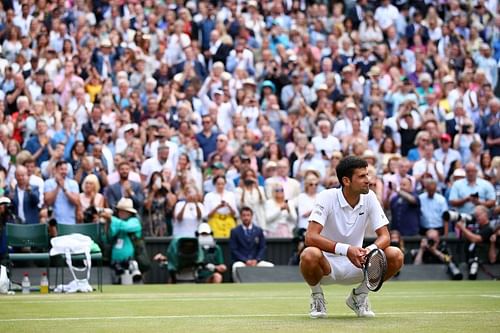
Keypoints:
pixel 208 145
pixel 64 210
pixel 405 216
pixel 33 145
pixel 461 189
pixel 431 210
pixel 69 141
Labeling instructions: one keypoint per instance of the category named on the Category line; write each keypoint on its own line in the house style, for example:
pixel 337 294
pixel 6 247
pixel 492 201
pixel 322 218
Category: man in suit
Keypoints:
pixel 25 198
pixel 125 188
pixel 191 63
pixel 247 244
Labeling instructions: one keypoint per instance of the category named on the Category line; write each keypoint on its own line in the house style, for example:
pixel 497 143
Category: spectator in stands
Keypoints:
pixel 220 206
pixel 90 200
pixel 432 207
pixel 465 194
pixel 427 166
pixel 445 154
pixel 305 201
pixel 247 244
pixel 188 214
pixel 25 198
pixel 39 145
pixel 158 207
pixel 405 208
pixel 125 188
pixel 290 185
pixel 61 193
pixel 250 194
pixel 281 215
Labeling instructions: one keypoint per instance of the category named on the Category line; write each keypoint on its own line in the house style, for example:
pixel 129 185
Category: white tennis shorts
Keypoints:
pixel 343 271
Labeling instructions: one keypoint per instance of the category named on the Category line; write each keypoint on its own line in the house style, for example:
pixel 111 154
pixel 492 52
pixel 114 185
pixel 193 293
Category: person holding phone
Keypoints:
pixel 221 207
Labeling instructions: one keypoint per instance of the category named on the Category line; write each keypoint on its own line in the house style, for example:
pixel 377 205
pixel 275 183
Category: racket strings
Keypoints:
pixel 375 267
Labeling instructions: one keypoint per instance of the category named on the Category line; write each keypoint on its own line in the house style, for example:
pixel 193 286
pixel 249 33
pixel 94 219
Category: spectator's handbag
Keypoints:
pixel 140 253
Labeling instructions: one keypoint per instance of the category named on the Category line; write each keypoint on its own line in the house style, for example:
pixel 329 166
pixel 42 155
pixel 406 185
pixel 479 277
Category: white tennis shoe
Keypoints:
pixel 318 305
pixel 360 305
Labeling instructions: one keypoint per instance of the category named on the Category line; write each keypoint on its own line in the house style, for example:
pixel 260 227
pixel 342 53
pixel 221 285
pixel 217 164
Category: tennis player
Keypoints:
pixel 334 238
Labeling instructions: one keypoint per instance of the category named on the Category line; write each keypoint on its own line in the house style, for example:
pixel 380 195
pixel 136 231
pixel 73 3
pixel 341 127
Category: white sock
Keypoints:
pixel 316 289
pixel 361 289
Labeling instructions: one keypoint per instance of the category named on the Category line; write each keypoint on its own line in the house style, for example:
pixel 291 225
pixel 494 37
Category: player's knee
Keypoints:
pixel 395 257
pixel 310 255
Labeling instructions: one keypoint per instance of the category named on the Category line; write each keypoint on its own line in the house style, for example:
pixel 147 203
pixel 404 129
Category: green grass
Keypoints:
pixel 400 307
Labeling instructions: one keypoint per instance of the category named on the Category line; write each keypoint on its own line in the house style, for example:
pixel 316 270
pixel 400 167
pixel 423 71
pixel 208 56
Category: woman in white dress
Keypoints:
pixel 305 201
pixel 250 194
pixel 221 207
pixel 281 215
pixel 188 214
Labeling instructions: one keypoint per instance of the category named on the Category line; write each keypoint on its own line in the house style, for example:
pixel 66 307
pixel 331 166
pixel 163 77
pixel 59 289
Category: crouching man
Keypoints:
pixel 335 236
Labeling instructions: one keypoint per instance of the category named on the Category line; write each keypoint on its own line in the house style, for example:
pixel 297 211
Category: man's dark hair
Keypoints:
pixel 246 209
pixel 347 165
pixel 60 162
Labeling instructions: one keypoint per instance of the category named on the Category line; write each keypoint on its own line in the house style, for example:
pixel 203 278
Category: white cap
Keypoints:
pixel 204 228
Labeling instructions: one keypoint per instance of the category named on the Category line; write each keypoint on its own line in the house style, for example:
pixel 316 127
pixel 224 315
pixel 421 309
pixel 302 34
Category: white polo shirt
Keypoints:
pixel 341 222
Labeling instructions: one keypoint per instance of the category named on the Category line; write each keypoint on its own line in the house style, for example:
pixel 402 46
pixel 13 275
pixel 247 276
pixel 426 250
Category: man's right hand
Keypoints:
pixel 251 262
pixel 357 255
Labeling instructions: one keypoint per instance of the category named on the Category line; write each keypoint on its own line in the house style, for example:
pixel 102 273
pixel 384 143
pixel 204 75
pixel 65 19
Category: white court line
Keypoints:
pixel 215 316
pixel 169 298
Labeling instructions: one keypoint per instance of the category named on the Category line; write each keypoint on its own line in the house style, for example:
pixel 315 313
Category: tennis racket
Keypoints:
pixel 374 269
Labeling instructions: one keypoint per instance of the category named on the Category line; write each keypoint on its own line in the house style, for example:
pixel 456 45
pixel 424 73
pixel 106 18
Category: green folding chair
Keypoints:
pixel 32 236
pixel 92 230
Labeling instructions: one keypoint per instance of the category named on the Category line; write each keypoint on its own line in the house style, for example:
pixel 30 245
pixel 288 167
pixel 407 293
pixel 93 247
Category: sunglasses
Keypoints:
pixel 278 190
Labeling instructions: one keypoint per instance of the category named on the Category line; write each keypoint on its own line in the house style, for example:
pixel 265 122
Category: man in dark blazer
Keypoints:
pixel 25 198
pixel 196 65
pixel 247 244
pixel 125 188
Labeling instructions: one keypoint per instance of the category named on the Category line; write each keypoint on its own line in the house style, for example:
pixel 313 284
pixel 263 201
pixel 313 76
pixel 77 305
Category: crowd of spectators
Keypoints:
pixel 195 109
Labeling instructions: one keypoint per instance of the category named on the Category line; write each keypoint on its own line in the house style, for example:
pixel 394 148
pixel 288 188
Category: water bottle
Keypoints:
pixel 44 284
pixel 26 284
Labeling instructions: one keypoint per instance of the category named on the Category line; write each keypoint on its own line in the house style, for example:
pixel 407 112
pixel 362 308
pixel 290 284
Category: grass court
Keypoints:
pixel 400 306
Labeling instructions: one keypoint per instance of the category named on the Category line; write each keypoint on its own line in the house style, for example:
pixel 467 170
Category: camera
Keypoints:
pixel 475 195
pixel 452 216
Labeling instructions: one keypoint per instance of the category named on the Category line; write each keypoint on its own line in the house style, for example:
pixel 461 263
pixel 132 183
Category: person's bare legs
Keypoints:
pixel 395 259
pixel 313 266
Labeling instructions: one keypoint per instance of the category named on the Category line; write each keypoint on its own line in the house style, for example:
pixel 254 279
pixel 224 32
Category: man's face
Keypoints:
pixel 481 216
pixel 41 128
pixel 22 177
pixel 431 188
pixel 62 170
pixel 124 170
pixel 471 173
pixel 360 181
pixel 163 154
pixel 30 167
pixel 246 217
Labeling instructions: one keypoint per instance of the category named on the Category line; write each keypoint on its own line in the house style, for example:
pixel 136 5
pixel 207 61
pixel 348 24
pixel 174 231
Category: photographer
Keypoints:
pixel 478 236
pixel 433 250
pixel 123 228
pixel 213 261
